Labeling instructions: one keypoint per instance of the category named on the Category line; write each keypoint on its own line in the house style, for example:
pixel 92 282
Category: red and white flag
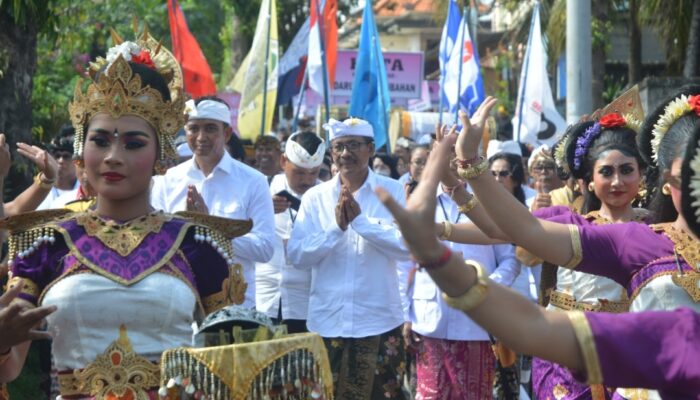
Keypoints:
pixel 327 25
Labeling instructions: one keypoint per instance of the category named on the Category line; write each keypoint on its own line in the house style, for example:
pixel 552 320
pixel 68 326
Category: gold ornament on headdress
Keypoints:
pixel 559 152
pixel 628 104
pixel 118 92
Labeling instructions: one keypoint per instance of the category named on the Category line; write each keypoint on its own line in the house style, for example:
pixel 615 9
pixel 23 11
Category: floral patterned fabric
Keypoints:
pixel 453 369
pixel 367 368
pixel 551 381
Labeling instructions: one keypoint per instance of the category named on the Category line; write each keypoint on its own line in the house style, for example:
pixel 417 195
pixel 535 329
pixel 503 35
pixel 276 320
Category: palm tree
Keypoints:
pixel 672 21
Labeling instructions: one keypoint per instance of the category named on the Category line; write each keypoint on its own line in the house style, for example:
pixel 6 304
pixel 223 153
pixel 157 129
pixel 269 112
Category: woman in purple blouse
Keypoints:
pixel 121 283
pixel 656 350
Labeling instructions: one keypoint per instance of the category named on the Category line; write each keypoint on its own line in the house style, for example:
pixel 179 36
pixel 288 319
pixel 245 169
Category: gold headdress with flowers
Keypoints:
pixel 117 91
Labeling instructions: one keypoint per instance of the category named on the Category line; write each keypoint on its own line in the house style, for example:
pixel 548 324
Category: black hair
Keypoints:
pixel 418 147
pixel 517 172
pixel 212 98
pixel 621 139
pixel 689 205
pixel 389 161
pixel 151 78
pixel 63 141
pixel 671 147
pixel 235 148
pixel 66 130
pixel 309 141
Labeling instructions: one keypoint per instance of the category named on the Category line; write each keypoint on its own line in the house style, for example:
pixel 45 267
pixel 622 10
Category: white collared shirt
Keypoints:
pixel 278 279
pixel 57 198
pixel 354 282
pixel 429 314
pixel 232 190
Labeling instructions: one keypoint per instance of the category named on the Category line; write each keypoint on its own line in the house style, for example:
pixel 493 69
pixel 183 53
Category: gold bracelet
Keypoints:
pixel 473 171
pixel 475 295
pixel 468 206
pixel 40 179
pixel 447 232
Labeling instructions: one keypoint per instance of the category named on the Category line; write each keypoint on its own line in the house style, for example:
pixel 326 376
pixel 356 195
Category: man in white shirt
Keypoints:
pixel 349 241
pixel 445 338
pixel 282 291
pixel 65 189
pixel 214 183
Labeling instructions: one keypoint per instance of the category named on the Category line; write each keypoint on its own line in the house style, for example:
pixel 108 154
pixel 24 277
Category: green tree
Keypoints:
pixel 22 22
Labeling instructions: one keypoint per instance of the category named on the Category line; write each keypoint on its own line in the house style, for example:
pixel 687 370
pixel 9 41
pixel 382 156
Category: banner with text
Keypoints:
pixel 404 75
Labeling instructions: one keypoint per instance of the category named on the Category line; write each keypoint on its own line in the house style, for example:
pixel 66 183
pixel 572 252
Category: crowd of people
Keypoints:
pixel 365 249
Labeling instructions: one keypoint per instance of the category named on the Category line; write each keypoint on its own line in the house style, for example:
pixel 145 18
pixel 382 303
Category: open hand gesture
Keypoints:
pixel 472 130
pixel 418 217
pixel 41 158
pixel 18 321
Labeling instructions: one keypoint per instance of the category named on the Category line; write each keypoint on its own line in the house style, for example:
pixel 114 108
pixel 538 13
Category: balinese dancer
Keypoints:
pixel 126 282
pixel 659 350
pixel 656 264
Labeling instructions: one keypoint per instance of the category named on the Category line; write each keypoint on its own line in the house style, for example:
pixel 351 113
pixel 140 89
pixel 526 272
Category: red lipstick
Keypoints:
pixel 112 176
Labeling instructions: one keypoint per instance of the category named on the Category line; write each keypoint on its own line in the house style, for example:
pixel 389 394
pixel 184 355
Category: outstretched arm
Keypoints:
pixel 516 321
pixel 32 197
pixel 549 241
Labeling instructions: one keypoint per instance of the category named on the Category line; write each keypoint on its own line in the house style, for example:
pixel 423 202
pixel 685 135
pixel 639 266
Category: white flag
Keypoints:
pixel 465 91
pixel 536 118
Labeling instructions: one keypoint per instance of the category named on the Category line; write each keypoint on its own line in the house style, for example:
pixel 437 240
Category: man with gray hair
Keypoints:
pixel 348 240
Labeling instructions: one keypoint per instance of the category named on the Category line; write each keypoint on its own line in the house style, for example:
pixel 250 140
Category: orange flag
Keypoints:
pixel 326 26
pixel 199 80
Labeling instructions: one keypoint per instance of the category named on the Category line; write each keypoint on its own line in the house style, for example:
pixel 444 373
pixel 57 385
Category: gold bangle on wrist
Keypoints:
pixel 40 179
pixel 447 231
pixel 473 171
pixel 475 295
pixel 468 206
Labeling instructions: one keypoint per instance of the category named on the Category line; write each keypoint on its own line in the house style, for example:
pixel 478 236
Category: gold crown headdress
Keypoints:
pixel 117 91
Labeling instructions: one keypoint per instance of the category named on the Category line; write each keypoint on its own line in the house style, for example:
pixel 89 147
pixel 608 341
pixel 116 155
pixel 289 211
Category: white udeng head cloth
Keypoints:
pixel 508 146
pixel 298 155
pixel 208 109
pixel 349 127
pixel 541 152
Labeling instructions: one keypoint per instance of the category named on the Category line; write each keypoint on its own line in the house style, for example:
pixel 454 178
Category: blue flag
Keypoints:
pixel 370 89
pixel 448 39
pixel 463 85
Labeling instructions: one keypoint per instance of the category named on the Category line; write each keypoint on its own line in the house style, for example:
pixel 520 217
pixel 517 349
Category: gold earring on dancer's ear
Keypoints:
pixel 666 189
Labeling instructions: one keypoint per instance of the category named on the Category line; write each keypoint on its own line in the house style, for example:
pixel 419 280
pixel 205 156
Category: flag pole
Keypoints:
pixel 267 60
pixel 523 83
pixel 301 97
pixel 442 88
pixel 381 95
pixel 324 62
pixel 461 61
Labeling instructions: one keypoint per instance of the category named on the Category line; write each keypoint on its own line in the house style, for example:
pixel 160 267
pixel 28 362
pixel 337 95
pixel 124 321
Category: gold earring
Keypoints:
pixel 591 187
pixel 666 189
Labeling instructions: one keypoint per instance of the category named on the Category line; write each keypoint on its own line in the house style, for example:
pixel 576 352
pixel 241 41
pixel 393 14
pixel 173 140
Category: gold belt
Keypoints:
pixel 116 373
pixel 568 302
